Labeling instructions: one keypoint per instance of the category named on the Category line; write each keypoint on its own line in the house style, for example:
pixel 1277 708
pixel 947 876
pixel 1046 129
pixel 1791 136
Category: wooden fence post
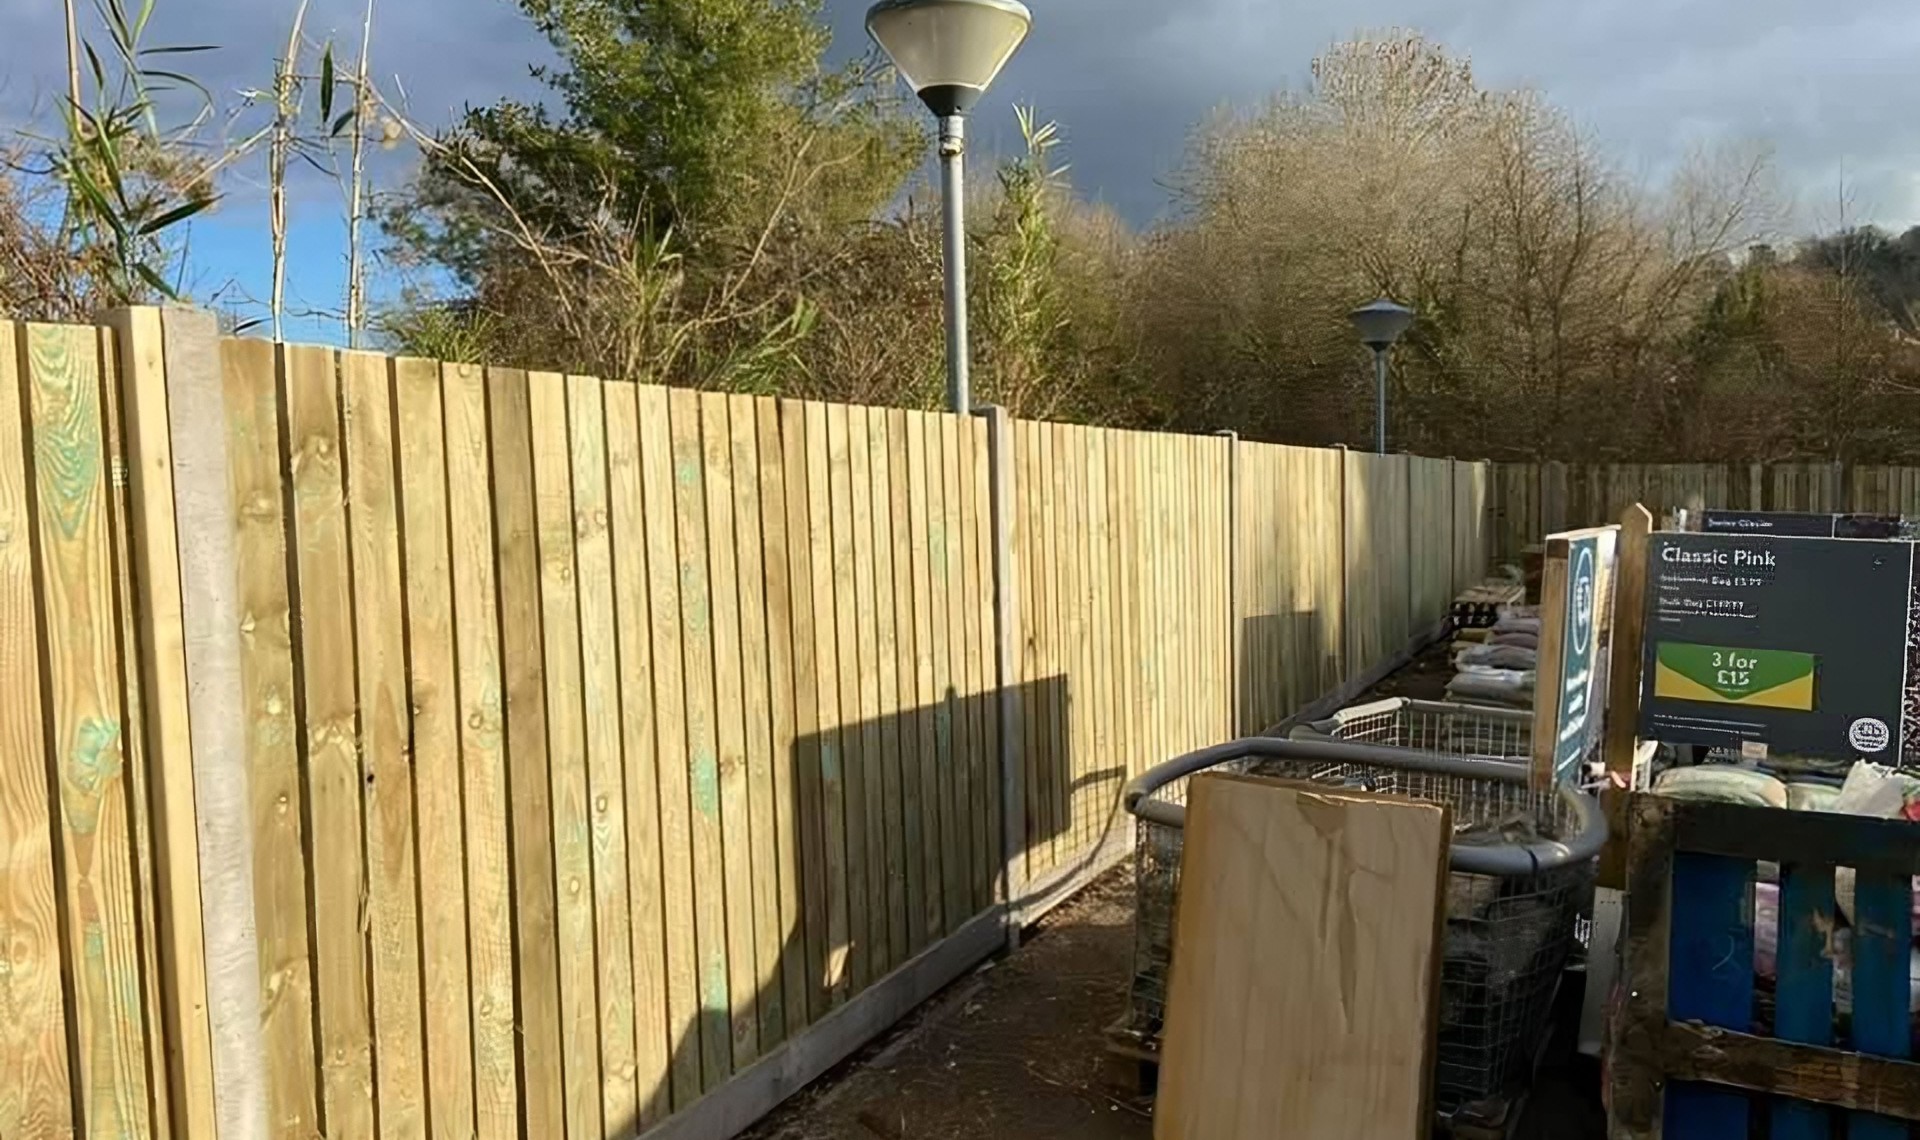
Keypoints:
pixel 1006 627
pixel 1346 574
pixel 186 564
pixel 1236 694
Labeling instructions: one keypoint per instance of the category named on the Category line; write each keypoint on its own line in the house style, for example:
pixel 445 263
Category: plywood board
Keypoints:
pixel 1303 998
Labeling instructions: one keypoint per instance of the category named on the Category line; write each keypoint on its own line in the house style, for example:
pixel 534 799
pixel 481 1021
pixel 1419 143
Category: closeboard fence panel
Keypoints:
pixel 1594 494
pixel 1430 522
pixel 1292 636
pixel 1472 504
pixel 1379 613
pixel 81 1014
pixel 1121 552
pixel 600 739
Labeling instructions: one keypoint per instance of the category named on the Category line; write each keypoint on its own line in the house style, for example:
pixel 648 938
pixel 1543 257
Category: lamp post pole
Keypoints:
pixel 948 51
pixel 1379 324
pixel 953 147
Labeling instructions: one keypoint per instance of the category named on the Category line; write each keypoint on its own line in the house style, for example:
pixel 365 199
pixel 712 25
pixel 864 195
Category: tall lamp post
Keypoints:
pixel 948 51
pixel 1379 324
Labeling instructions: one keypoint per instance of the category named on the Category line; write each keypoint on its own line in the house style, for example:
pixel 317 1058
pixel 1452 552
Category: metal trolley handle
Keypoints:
pixel 1505 860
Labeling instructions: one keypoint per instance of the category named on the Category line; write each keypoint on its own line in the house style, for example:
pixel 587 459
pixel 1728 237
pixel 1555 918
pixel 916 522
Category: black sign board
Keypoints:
pixel 1802 524
pixel 1803 644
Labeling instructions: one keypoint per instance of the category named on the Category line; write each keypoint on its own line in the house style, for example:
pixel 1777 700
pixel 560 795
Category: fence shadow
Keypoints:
pixel 1273 683
pixel 889 840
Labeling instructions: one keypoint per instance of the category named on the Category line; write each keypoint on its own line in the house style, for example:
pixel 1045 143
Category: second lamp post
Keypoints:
pixel 948 51
pixel 1379 324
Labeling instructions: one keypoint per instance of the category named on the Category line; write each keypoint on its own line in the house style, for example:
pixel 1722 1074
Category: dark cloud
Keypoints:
pixel 1827 84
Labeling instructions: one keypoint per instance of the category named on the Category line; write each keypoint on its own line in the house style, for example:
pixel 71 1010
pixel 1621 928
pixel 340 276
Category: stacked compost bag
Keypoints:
pixel 1494 665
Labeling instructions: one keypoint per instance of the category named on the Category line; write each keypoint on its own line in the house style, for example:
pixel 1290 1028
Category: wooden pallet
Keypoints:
pixel 1132 1067
pixel 1686 1059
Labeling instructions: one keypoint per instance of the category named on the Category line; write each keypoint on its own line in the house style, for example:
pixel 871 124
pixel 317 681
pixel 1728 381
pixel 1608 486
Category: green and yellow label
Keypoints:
pixel 1771 678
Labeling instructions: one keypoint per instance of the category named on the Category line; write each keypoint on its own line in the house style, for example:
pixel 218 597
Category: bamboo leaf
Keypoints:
pixel 179 49
pixel 183 80
pixel 326 84
pixel 340 123
pixel 96 201
pixel 177 214
pixel 93 62
pixel 147 274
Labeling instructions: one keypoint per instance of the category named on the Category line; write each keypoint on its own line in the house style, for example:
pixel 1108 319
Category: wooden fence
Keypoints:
pixel 401 749
pixel 1532 500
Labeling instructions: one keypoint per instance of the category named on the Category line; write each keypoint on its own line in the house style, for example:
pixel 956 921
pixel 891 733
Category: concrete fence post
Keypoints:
pixel 185 563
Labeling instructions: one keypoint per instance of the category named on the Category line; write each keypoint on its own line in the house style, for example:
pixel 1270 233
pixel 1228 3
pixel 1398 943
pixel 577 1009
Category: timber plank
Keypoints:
pixel 730 731
pixel 906 716
pixel 523 676
pixel 400 1085
pixel 606 805
pixel 36 1098
pixel 250 374
pixel 886 656
pixel 872 782
pixel 791 932
pixel 809 820
pixel 319 538
pixel 659 481
pixel 702 753
pixel 567 754
pixel 833 806
pixel 485 806
pixel 757 706
pixel 433 691
pixel 632 596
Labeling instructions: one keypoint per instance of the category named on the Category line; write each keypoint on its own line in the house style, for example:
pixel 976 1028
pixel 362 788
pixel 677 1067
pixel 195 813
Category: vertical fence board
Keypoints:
pixel 434 696
pixel 139 763
pixel 659 489
pixel 537 1011
pixel 703 747
pixel 931 815
pixel 840 703
pixel 484 801
pixel 789 843
pixel 887 660
pixel 906 716
pixel 944 549
pixel 809 817
pixel 756 704
pixel 633 616
pixel 982 663
pixel 85 724
pixel 730 734
pixel 251 378
pixel 567 753
pixel 605 809
pixel 35 1098
pixel 400 1090
pixel 866 675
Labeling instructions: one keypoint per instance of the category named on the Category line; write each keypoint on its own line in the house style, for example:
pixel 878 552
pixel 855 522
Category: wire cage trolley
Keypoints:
pixel 1522 865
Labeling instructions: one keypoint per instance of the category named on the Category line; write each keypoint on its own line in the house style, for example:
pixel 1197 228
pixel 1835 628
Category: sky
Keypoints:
pixel 1829 86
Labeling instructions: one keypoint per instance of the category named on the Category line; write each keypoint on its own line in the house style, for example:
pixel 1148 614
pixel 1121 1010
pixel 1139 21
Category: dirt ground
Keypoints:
pixel 1016 1047
pixel 1012 1049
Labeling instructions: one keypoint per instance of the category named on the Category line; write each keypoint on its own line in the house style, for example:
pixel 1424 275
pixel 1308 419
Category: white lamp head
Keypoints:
pixel 949 51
